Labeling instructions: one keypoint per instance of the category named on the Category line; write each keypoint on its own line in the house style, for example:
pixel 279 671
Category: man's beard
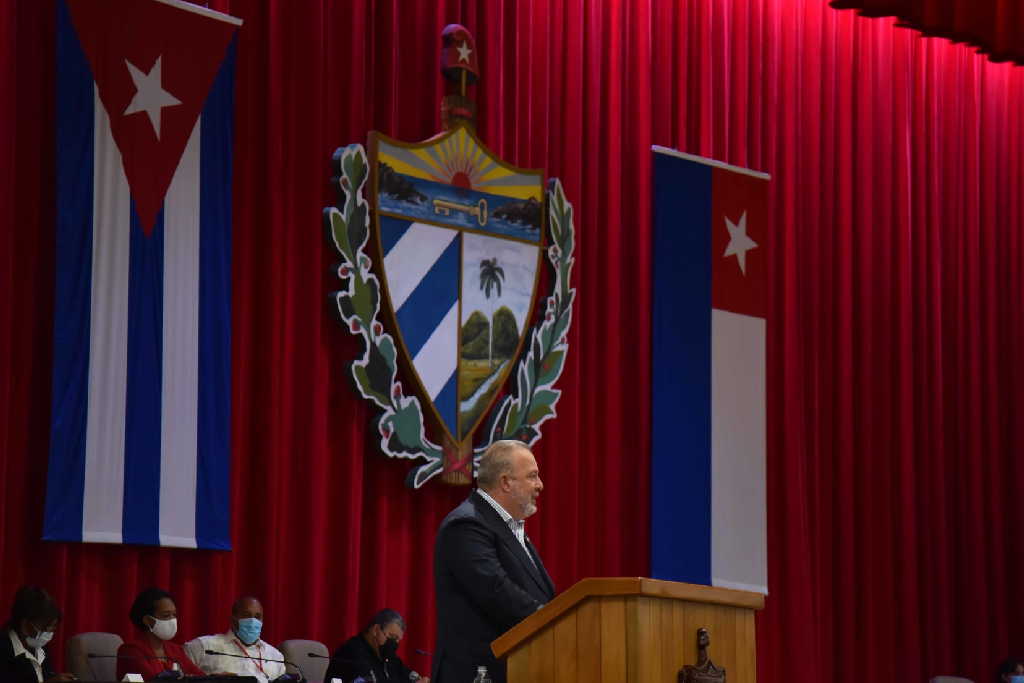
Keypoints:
pixel 528 507
pixel 525 504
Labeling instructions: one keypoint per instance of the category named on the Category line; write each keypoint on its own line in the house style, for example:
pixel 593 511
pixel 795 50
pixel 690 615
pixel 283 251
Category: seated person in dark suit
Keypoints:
pixel 152 652
pixel 373 654
pixel 34 617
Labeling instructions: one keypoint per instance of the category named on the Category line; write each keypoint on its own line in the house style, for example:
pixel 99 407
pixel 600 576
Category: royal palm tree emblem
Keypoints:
pixel 491 275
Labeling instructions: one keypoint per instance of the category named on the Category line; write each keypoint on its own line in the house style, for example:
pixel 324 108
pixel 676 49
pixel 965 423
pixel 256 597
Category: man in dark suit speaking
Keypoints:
pixel 487 575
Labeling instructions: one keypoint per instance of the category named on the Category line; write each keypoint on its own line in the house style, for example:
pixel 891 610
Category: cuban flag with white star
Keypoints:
pixel 708 521
pixel 140 425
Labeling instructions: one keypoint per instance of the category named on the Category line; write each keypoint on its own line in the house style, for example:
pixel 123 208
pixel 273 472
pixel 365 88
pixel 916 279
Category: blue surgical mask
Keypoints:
pixel 249 630
pixel 1017 678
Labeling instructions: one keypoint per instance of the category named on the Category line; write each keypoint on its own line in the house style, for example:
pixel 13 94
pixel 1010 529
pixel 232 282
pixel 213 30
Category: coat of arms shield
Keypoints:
pixel 460 242
pixel 456 246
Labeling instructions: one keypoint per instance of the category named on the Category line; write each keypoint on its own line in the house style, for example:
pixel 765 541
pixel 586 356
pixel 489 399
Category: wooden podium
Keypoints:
pixel 631 630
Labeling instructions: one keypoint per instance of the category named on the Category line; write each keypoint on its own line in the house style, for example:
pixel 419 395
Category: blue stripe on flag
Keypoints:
pixel 391 230
pixel 446 403
pixel 213 488
pixel 65 483
pixel 681 372
pixel 433 297
pixel 141 514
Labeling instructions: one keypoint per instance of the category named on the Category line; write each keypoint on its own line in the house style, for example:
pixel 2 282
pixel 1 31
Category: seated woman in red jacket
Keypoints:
pixel 152 652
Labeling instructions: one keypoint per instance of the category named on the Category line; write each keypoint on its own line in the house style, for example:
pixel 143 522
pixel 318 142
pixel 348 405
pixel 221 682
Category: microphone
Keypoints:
pixel 426 653
pixel 332 658
pixel 302 676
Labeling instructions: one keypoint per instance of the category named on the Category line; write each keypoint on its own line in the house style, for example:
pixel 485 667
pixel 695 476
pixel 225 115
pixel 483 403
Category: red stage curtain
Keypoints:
pixel 896 308
pixel 324 530
pixel 995 27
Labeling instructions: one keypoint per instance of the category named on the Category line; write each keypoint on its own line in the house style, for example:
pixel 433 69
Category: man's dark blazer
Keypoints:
pixel 18 669
pixel 355 658
pixel 484 585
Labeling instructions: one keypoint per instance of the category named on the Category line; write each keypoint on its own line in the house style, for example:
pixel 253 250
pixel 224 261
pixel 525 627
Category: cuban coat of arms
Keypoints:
pixel 443 246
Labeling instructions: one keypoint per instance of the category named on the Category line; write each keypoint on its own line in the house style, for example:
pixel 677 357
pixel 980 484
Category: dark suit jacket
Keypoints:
pixel 484 585
pixel 18 669
pixel 355 658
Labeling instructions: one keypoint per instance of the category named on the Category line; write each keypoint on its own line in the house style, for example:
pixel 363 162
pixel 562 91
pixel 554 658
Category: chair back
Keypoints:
pixel 297 650
pixel 102 668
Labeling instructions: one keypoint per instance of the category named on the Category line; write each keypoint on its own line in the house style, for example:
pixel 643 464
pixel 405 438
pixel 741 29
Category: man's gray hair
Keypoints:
pixel 496 461
pixel 384 617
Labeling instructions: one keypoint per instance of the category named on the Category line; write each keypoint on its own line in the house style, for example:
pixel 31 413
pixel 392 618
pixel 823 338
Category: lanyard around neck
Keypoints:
pixel 259 651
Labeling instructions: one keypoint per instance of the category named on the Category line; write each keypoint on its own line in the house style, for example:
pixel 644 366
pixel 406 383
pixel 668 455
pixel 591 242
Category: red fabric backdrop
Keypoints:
pixel 996 27
pixel 896 308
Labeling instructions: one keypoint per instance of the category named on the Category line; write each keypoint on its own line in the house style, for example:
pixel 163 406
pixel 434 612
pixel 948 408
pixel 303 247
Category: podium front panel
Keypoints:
pixel 636 639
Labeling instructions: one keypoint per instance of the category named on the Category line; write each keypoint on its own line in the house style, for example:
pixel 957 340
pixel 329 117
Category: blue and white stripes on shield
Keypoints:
pixel 422 266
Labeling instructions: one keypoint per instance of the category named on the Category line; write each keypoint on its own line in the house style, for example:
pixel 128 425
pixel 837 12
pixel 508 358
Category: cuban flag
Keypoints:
pixel 140 426
pixel 708 376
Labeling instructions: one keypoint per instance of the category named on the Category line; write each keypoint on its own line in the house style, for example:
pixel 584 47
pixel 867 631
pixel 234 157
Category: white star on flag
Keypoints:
pixel 739 242
pixel 150 96
pixel 464 51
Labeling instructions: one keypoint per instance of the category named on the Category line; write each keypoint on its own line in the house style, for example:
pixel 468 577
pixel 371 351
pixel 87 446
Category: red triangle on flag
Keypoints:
pixel 739 241
pixel 153 62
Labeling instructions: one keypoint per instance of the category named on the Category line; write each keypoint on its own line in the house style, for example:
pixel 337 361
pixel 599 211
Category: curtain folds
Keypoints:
pixel 994 27
pixel 896 316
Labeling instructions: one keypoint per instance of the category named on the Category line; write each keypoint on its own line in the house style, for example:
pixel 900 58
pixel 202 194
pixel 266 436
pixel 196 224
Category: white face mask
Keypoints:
pixel 39 640
pixel 164 629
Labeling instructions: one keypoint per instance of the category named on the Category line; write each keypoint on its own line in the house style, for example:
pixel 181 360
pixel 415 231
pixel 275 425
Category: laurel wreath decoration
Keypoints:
pixel 520 415
pixel 401 424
